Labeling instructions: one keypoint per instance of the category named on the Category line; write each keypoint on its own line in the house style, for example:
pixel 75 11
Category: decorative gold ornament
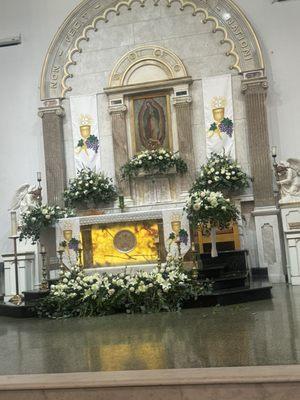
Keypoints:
pixel 125 241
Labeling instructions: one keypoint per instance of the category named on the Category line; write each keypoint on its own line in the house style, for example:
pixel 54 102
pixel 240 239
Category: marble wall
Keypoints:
pixel 185 35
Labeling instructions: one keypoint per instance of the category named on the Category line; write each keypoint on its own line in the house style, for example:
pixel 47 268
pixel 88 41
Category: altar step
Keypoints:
pixel 255 383
pixel 256 290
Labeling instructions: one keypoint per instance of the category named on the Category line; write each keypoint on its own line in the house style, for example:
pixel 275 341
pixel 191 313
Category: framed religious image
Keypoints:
pixel 151 122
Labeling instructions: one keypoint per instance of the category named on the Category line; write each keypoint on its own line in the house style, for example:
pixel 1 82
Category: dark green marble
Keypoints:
pixel 260 333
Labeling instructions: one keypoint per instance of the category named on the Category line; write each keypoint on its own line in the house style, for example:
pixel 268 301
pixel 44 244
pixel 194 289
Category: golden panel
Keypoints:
pixel 124 244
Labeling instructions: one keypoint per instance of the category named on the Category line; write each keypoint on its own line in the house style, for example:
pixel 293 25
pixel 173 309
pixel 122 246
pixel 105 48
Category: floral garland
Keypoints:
pixel 77 294
pixel 39 217
pixel 210 209
pixel 154 162
pixel 89 186
pixel 221 173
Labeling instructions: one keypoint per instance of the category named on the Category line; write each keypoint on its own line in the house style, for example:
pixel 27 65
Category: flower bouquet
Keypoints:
pixel 153 162
pixel 210 211
pixel 39 217
pixel 221 173
pixel 89 189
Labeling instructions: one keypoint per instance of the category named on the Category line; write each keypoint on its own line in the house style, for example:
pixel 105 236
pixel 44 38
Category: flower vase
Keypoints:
pixel 213 235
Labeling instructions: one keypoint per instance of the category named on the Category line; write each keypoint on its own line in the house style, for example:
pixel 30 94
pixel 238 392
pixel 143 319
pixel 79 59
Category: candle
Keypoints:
pixel 43 249
pixel 39 176
pixel 274 151
pixel 193 246
pixel 14 223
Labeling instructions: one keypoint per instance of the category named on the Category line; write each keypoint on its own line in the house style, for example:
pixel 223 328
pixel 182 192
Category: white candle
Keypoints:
pixel 14 223
pixel 274 151
pixel 39 176
pixel 43 249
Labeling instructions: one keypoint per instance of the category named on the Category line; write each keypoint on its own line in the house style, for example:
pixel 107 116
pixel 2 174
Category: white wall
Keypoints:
pixel 21 150
pixel 21 153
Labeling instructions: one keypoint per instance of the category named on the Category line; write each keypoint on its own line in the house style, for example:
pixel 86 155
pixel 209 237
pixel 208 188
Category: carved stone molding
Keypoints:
pixel 59 111
pixel 255 85
pixel 225 17
pixel 118 109
pixel 181 100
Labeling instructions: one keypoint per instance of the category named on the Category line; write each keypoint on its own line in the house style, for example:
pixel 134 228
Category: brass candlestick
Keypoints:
pixel 79 259
pixel 60 252
pixel 17 299
pixel 44 284
pixel 195 271
pixel 157 245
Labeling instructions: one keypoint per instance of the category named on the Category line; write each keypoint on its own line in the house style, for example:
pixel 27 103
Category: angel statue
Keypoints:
pixel 288 174
pixel 25 198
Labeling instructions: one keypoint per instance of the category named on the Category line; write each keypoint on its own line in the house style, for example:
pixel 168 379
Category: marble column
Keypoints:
pixel 268 234
pixel 52 114
pixel 255 90
pixel 182 105
pixel 119 133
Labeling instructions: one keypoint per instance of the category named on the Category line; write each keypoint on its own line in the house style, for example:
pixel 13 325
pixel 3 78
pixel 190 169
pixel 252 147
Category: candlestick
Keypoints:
pixel 39 176
pixel 274 151
pixel 121 203
pixel 44 284
pixel 80 255
pixel 14 223
pixel 17 299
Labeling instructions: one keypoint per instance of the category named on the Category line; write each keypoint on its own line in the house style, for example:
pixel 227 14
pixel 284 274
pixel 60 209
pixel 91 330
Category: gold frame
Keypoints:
pixel 168 116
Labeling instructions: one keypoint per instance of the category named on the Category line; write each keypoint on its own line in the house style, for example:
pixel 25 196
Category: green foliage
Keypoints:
pixel 221 173
pixel 39 217
pixel 77 294
pixel 153 162
pixel 90 186
pixel 207 209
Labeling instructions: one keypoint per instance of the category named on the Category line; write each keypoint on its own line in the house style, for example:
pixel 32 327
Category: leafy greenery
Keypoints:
pixel 39 217
pixel 89 186
pixel 221 173
pixel 77 294
pixel 153 162
pixel 210 209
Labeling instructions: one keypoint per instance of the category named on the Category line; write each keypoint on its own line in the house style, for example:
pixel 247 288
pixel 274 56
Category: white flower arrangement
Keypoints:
pixel 221 173
pixel 89 186
pixel 210 209
pixel 164 289
pixel 39 217
pixel 153 162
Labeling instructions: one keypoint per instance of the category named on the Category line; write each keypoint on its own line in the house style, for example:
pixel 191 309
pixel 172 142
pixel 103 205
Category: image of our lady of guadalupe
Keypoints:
pixel 152 124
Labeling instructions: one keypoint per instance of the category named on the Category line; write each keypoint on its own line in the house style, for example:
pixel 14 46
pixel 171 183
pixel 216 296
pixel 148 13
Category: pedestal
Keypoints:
pixel 269 243
pixel 26 262
pixel 291 226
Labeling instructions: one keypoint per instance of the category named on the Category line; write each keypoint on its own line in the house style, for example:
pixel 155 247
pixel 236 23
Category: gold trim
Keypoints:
pixel 132 124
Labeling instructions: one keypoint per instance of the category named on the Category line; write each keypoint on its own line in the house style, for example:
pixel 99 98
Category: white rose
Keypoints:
pixel 209 181
pixel 33 219
pixel 233 173
pixel 160 158
pixel 131 289
pixel 196 207
pixel 47 216
pixel 228 177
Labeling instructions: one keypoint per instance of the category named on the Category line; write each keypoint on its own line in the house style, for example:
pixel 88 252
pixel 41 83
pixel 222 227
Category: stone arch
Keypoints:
pixel 166 63
pixel 226 18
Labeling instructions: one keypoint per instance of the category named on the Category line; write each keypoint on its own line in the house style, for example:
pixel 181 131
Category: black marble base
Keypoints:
pixel 33 295
pixel 257 290
pixel 21 311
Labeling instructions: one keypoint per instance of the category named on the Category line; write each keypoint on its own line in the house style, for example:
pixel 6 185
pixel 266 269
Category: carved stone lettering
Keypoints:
pixel 240 35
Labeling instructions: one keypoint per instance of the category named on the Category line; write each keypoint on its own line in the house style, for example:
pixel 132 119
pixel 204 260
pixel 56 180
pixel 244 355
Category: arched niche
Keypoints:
pixel 225 17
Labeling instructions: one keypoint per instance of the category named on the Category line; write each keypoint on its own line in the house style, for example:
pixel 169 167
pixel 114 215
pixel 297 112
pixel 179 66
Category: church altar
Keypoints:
pixel 117 240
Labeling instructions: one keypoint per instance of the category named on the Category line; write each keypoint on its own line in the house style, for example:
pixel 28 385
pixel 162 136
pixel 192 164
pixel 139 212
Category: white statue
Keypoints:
pixel 25 198
pixel 288 174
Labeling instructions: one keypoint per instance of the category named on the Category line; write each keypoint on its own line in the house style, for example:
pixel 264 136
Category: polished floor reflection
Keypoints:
pixel 261 333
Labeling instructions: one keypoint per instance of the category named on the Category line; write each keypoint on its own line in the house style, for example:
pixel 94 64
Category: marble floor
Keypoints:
pixel 260 333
